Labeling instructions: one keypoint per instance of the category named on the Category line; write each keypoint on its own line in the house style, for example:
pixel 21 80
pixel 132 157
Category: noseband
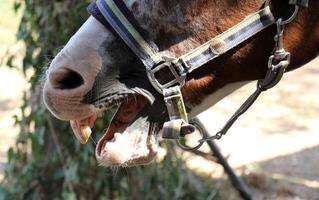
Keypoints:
pixel 117 18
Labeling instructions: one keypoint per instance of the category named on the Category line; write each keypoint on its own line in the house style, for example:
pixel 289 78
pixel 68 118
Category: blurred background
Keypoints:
pixel 274 147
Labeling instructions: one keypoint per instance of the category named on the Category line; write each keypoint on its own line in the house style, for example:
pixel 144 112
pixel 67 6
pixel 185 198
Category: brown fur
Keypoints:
pixel 206 19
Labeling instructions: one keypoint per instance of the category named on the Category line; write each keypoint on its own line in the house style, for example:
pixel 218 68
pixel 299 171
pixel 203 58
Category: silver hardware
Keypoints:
pixel 280 58
pixel 178 126
pixel 176 69
pixel 176 111
pixel 291 18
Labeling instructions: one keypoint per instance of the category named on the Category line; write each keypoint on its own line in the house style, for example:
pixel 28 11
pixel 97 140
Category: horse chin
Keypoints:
pixel 127 149
pixel 130 139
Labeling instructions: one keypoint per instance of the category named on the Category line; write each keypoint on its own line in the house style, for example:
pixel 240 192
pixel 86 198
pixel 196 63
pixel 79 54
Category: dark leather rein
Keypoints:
pixel 116 17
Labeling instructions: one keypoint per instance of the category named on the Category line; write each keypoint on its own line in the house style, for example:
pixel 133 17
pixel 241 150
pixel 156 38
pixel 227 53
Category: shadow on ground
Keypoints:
pixel 286 177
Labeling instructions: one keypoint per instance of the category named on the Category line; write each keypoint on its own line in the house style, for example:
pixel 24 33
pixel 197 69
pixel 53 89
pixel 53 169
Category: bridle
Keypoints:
pixel 116 17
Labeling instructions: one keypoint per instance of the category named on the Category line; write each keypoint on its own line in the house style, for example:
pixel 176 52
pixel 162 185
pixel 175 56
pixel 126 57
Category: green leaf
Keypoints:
pixel 36 147
pixel 4 194
pixel 10 154
pixel 9 62
pixel 16 6
pixel 58 174
pixel 68 196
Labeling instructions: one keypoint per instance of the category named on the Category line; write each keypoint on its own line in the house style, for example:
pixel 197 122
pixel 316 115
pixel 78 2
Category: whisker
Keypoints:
pixel 135 99
pixel 116 171
pixel 127 175
pixel 93 140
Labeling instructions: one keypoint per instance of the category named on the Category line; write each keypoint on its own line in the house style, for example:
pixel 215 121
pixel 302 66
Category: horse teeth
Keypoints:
pixel 85 134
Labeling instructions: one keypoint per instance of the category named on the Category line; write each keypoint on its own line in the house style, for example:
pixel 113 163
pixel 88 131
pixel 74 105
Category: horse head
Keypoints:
pixel 96 72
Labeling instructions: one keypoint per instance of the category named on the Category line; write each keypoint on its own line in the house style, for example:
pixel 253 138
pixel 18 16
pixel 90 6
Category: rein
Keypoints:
pixel 116 17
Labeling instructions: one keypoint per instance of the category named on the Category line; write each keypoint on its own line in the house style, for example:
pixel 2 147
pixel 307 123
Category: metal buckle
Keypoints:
pixel 176 112
pixel 277 63
pixel 175 104
pixel 292 17
pixel 178 126
pixel 176 68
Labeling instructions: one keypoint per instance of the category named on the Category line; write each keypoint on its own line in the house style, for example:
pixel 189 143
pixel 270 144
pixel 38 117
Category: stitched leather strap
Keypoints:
pixel 212 49
pixel 231 38
pixel 123 25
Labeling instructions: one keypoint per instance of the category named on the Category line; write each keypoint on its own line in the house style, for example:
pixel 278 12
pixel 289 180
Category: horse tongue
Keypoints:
pixel 130 109
pixel 124 116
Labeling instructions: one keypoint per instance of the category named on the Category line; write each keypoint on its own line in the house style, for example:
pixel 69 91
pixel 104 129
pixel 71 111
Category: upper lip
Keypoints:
pixel 132 106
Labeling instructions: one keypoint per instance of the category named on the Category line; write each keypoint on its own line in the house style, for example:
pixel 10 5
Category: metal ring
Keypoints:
pixel 293 16
pixel 186 148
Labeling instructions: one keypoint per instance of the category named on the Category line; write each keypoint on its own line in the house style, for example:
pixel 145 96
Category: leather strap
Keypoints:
pixel 124 27
pixel 212 49
pixel 231 38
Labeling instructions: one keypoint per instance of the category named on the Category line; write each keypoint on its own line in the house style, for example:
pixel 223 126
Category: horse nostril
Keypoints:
pixel 65 79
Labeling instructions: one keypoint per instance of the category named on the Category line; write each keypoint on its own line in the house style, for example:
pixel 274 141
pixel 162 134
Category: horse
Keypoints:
pixel 96 72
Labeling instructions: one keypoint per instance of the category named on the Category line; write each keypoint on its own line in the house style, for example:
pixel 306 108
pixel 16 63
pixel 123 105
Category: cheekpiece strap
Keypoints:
pixel 175 104
pixel 176 111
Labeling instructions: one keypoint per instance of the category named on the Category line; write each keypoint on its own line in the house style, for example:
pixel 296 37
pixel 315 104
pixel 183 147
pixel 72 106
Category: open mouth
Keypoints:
pixel 128 140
